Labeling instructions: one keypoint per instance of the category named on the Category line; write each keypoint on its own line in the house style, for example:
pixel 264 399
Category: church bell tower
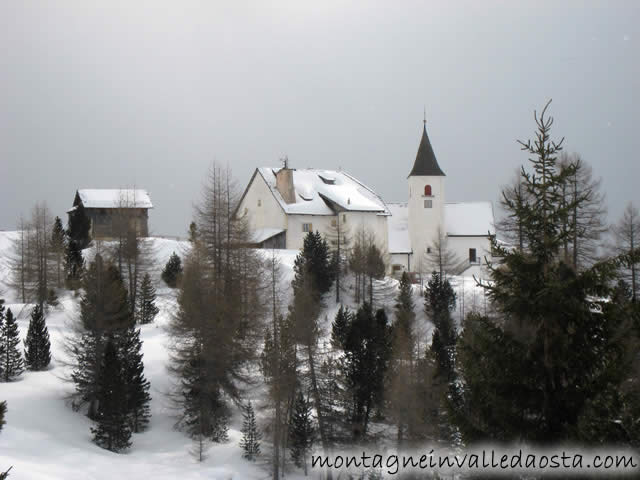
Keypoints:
pixel 426 200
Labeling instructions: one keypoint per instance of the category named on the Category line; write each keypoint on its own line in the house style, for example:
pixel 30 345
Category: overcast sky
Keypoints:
pixel 115 94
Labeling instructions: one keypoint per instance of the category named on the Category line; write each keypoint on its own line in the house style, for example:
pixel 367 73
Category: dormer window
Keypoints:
pixel 427 191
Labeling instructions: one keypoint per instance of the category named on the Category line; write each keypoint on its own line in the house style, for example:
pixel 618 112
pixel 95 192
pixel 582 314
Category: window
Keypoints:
pixel 344 217
pixel 428 203
pixel 333 222
pixel 259 202
pixel 427 190
pixel 472 256
pixel 397 268
pixel 307 227
pixel 428 249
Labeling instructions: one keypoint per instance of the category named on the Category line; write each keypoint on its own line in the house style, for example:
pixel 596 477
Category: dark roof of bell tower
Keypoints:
pixel 426 163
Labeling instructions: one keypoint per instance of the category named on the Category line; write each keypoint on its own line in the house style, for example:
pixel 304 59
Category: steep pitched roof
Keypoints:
pixel 426 163
pixel 114 198
pixel 319 191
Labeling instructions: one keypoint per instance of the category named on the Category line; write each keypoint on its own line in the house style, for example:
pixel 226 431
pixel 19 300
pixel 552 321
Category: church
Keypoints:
pixel 283 204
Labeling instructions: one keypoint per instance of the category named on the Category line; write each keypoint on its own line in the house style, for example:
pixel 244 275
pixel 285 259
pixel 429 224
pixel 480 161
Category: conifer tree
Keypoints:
pixel 251 436
pixel 172 271
pixel 58 247
pixel 112 430
pixel 73 264
pixel 12 364
pixel 366 342
pixel 3 411
pixel 316 259
pixel 79 227
pixel 401 384
pixel 301 432
pixel 137 386
pixel 104 311
pixel 193 232
pixel 550 367
pixel 440 300
pixel 37 351
pixel 147 309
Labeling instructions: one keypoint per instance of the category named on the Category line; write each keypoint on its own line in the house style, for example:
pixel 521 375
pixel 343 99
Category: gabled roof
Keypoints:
pixel 465 219
pixel 469 219
pixel 426 163
pixel 114 198
pixel 319 192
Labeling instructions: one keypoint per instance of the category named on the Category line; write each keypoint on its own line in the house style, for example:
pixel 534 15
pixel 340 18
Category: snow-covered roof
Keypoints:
pixel 262 234
pixel 469 218
pixel 398 227
pixel 465 219
pixel 316 188
pixel 114 198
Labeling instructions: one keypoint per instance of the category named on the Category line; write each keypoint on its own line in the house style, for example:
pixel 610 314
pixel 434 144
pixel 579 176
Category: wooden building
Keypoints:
pixel 113 211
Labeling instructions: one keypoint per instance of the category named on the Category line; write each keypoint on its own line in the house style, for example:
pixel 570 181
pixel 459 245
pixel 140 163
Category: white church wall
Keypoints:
pixel 262 209
pixel 460 247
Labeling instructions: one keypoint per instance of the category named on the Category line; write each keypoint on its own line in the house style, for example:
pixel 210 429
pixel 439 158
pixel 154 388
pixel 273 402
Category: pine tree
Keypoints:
pixel 440 300
pixel 366 342
pixel 193 232
pixel 137 386
pixel 104 312
pixel 58 247
pixel 112 431
pixel 147 309
pixel 549 367
pixel 401 382
pixel 37 351
pixel 3 411
pixel 316 259
pixel 79 227
pixel 73 264
pixel 172 271
pixel 12 364
pixel 251 436
pixel 301 432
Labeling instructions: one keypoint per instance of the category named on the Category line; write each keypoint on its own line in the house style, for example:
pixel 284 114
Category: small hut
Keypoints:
pixel 114 211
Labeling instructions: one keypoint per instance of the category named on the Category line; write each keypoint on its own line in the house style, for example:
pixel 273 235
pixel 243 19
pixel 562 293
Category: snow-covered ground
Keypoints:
pixel 45 439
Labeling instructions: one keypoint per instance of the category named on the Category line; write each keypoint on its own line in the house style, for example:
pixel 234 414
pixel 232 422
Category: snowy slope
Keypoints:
pixel 45 439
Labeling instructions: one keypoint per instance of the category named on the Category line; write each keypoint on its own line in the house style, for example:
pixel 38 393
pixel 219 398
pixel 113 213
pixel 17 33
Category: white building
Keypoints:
pixel 283 204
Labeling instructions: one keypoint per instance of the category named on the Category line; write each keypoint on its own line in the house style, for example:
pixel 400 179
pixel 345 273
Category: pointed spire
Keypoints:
pixel 426 163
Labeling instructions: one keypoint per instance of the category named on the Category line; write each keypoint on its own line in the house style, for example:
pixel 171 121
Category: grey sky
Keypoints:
pixel 108 94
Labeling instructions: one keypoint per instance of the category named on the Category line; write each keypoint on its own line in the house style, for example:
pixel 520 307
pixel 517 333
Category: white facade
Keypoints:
pixel 292 202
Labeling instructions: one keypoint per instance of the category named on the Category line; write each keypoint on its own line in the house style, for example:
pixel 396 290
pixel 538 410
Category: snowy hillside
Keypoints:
pixel 45 439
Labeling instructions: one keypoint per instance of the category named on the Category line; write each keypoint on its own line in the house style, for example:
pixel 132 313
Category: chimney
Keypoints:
pixel 284 183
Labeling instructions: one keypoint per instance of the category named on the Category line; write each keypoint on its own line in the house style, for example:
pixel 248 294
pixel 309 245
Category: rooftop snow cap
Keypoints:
pixel 426 163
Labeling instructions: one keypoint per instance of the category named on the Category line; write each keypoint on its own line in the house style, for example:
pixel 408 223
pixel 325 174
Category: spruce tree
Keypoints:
pixel 73 264
pixel 137 386
pixel 11 357
pixel 440 300
pixel 112 430
pixel 251 436
pixel 172 271
pixel 316 259
pixel 37 351
pixel 3 411
pixel 79 227
pixel 104 312
pixel 147 309
pixel 58 247
pixel 301 432
pixel 549 367
pixel 193 232
pixel 401 380
pixel 366 343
